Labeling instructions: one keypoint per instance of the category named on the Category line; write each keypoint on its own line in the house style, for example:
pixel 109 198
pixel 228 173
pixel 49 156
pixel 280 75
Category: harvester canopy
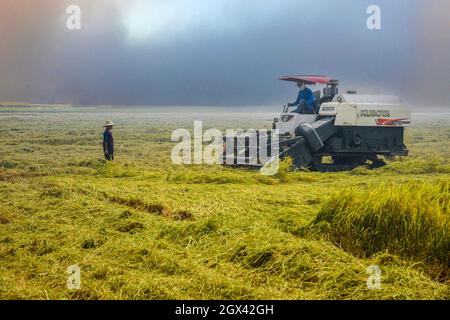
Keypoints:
pixel 308 79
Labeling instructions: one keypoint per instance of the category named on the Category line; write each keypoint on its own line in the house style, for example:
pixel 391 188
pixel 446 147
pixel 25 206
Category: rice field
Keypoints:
pixel 143 228
pixel 409 220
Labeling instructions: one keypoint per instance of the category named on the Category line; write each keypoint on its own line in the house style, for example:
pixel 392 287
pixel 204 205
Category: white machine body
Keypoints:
pixel 366 111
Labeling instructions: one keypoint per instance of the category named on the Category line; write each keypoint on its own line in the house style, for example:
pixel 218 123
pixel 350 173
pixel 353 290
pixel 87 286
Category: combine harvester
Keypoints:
pixel 345 131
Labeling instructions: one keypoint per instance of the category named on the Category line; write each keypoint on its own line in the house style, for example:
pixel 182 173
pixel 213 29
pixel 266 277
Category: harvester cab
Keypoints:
pixel 289 120
pixel 345 131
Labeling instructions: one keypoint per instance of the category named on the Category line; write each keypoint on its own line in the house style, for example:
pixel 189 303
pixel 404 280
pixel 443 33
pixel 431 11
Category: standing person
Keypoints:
pixel 305 100
pixel 108 141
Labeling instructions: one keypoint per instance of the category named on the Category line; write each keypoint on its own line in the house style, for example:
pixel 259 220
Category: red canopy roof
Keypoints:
pixel 307 79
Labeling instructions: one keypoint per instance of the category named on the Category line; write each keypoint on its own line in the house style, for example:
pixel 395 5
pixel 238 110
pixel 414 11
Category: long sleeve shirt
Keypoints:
pixel 306 95
pixel 108 142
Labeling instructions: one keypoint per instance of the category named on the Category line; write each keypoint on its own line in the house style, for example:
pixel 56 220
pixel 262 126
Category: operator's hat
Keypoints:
pixel 108 123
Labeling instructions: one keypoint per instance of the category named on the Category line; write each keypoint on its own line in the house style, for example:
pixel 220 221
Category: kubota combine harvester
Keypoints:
pixel 345 131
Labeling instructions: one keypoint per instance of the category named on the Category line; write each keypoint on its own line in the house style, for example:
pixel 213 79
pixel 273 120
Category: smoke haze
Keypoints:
pixel 219 52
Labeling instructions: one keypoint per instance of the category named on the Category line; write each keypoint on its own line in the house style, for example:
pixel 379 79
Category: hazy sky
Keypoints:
pixel 219 52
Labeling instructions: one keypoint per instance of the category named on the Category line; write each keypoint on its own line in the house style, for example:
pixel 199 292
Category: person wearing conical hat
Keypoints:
pixel 108 140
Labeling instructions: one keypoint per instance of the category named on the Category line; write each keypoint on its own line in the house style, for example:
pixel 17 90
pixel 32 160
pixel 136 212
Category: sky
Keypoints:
pixel 220 52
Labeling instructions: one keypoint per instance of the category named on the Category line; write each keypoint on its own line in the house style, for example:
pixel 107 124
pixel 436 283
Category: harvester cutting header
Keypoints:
pixel 329 131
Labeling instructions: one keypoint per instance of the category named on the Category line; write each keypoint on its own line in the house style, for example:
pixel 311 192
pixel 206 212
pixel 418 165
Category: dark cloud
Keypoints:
pixel 219 52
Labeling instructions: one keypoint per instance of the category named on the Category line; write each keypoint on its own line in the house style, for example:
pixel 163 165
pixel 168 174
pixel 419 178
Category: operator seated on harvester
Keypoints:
pixel 305 100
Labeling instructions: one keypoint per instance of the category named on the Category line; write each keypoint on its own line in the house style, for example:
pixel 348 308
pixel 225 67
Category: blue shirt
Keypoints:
pixel 306 95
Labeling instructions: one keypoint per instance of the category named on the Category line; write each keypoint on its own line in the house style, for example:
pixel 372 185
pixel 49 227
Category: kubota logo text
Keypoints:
pixel 375 113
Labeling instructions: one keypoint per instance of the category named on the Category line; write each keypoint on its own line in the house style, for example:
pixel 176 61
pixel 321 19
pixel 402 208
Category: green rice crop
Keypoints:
pixel 143 228
pixel 411 220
